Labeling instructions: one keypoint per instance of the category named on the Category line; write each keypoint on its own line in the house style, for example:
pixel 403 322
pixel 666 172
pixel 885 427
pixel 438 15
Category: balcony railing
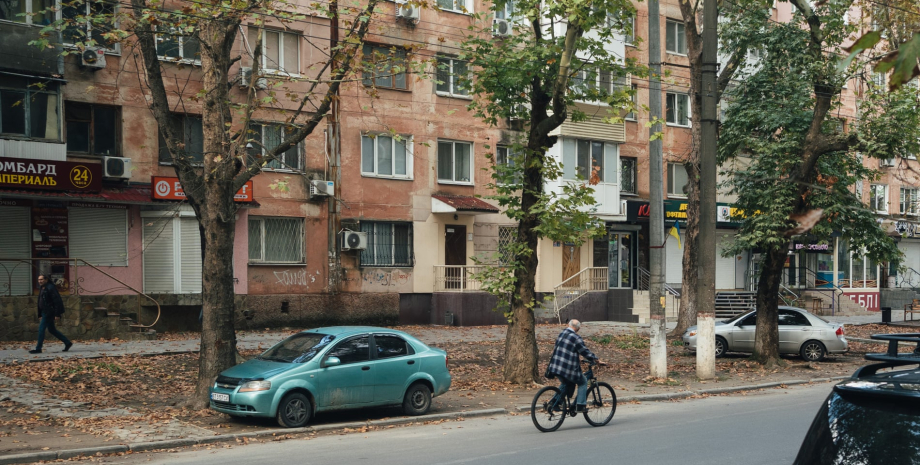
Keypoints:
pixel 457 278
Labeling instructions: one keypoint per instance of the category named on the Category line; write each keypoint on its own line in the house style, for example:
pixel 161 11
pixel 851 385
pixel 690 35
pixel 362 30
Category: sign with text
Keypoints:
pixel 167 188
pixel 867 300
pixel 27 173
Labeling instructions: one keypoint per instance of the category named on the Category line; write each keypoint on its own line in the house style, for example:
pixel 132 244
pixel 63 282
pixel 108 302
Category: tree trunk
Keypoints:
pixel 766 337
pixel 521 353
pixel 686 316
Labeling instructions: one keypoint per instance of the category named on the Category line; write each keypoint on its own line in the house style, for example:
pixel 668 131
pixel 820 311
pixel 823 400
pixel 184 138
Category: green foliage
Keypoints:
pixel 766 131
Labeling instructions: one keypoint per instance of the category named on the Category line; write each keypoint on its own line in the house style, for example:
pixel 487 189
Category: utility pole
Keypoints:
pixel 658 353
pixel 706 273
pixel 333 146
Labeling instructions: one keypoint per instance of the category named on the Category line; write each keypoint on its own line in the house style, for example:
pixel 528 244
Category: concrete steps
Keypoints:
pixel 641 306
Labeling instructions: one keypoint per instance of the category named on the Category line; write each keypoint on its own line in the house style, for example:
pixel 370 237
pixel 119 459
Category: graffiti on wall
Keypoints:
pixel 386 278
pixel 293 278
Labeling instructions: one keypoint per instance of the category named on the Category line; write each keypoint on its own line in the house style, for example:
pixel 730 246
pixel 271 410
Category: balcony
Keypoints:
pixel 29 60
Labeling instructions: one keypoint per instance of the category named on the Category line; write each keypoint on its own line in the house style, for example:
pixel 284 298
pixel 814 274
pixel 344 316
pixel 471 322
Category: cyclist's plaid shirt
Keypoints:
pixel 564 362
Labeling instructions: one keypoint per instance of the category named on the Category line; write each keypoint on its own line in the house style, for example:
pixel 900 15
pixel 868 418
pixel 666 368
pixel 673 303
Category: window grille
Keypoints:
pixel 507 235
pixel 276 240
pixel 388 244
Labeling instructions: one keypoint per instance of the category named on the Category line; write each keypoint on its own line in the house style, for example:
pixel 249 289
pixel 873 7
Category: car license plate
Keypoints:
pixel 220 397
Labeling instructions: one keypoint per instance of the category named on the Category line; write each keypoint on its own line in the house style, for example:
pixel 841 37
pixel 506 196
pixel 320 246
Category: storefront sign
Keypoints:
pixel 30 174
pixel 15 203
pixel 820 248
pixel 108 206
pixel 868 300
pixel 165 188
pixel 676 210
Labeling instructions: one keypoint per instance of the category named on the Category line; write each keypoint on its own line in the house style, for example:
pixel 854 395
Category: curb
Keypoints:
pixel 185 442
pixel 685 394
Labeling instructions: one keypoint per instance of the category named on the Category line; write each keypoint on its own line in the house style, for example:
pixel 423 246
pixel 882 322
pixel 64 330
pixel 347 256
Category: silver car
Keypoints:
pixel 800 333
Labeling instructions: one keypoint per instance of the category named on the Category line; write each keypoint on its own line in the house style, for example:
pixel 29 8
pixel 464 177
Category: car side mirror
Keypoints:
pixel 331 361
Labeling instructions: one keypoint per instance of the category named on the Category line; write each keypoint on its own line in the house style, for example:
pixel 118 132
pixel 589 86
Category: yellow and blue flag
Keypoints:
pixel 675 231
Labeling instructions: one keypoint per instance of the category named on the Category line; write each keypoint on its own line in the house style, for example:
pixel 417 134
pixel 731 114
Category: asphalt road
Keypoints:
pixel 764 427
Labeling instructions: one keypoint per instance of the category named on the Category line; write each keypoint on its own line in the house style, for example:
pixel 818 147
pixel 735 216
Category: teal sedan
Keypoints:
pixel 334 368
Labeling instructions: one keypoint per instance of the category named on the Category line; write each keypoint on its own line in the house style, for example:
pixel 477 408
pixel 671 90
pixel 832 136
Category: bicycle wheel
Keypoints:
pixel 602 404
pixel 548 409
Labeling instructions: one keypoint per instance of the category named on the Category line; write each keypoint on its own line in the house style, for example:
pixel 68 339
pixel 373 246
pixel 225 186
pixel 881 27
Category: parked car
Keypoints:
pixel 800 332
pixel 333 368
pixel 873 417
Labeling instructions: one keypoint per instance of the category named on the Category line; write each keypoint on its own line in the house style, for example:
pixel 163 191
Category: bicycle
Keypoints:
pixel 550 406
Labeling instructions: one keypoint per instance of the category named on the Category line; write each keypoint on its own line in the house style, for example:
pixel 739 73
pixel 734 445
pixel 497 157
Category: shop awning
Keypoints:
pixel 460 204
pixel 130 195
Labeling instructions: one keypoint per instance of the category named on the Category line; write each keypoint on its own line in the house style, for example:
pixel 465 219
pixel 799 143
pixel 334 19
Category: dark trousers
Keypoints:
pixel 48 323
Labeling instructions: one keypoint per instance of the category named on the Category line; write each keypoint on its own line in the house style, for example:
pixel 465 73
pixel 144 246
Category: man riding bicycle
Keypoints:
pixel 564 363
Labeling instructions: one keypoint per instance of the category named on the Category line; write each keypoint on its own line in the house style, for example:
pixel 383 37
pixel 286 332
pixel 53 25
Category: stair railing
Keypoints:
pixel 78 281
pixel 573 288
pixel 645 279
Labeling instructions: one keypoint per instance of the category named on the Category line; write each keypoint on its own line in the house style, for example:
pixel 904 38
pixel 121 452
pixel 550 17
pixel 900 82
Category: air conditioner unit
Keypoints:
pixel 887 162
pixel 93 58
pixel 116 168
pixel 501 28
pixel 353 240
pixel 320 188
pixel 407 11
pixel 246 78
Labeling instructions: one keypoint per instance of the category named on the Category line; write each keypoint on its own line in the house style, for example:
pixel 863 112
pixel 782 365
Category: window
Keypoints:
pixel 353 350
pixel 505 11
pixel 629 37
pixel 505 156
pixel 581 158
pixel 631 116
pixel 792 318
pixel 455 161
pixel 507 235
pixel 28 12
pixel 909 199
pixel 453 77
pixel 172 253
pixel 454 5
pixel 265 137
pixel 391 346
pixel 677 179
pixel 675 39
pixel 192 135
pixel 280 50
pixel 386 156
pixel 92 129
pixel 175 46
pixel 384 67
pixel 878 80
pixel 276 240
pixel 29 108
pixel 878 198
pixel 628 175
pixel 88 21
pixel 678 109
pixel 388 244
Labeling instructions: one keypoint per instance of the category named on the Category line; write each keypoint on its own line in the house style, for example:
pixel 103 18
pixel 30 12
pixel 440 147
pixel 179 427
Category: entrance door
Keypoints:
pixel 455 254
pixel 619 270
pixel 571 262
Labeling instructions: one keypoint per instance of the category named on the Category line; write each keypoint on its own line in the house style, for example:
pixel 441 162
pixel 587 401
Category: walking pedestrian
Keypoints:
pixel 50 308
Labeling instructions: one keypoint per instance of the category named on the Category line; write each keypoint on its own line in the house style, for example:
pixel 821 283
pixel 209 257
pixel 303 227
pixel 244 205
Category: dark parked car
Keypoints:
pixel 873 417
pixel 335 368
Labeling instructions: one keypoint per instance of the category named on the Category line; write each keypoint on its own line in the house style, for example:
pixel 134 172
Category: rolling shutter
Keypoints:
pixel 190 260
pixel 159 255
pixel 725 266
pixel 15 277
pixel 99 236
pixel 674 258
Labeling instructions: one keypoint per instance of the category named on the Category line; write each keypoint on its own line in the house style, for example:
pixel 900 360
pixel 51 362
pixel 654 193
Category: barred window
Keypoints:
pixel 506 236
pixel 276 240
pixel 388 244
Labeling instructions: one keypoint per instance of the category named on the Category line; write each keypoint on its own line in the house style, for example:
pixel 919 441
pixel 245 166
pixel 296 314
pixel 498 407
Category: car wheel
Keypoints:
pixel 417 400
pixel 294 411
pixel 721 346
pixel 812 351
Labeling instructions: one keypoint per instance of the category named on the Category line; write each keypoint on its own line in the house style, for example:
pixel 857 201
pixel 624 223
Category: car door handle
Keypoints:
pixel 806 329
pixel 411 362
pixel 365 368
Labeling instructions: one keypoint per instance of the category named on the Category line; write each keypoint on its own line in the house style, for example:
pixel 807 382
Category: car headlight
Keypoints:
pixel 691 333
pixel 252 386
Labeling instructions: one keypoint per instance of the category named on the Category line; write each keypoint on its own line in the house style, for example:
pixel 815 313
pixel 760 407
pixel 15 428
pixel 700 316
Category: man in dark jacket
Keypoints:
pixel 564 363
pixel 50 308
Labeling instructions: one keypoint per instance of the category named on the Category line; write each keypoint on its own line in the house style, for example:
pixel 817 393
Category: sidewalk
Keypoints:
pixel 50 440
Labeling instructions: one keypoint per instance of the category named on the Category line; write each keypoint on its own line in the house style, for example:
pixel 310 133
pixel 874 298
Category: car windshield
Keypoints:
pixel 852 428
pixel 299 348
